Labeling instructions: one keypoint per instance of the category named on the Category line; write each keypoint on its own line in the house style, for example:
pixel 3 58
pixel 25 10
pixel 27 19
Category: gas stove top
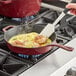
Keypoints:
pixel 14 64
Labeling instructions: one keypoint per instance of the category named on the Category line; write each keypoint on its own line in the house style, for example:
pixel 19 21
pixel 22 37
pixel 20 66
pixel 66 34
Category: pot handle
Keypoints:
pixel 5 1
pixel 7 27
pixel 68 48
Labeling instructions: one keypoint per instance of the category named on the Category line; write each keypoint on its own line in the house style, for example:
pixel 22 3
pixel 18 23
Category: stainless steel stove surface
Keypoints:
pixel 12 64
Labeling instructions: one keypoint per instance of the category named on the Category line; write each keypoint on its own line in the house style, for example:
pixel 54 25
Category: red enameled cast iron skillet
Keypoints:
pixel 30 51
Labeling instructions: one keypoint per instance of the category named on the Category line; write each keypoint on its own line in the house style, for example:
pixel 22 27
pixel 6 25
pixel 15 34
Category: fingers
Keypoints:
pixel 71 5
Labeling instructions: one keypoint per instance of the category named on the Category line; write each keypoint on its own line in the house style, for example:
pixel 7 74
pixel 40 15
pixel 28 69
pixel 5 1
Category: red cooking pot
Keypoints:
pixel 30 51
pixel 19 8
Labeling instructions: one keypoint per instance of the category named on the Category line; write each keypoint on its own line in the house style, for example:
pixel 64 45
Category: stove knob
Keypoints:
pixel 71 72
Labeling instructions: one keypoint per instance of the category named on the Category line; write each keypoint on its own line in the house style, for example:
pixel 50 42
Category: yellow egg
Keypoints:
pixel 28 40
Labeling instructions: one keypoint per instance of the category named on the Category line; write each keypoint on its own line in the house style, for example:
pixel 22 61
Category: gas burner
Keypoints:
pixel 20 20
pixel 72 23
pixel 28 56
pixel 66 31
pixel 25 19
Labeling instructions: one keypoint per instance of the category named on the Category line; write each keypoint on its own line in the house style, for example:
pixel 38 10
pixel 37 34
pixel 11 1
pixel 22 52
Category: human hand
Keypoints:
pixel 72 6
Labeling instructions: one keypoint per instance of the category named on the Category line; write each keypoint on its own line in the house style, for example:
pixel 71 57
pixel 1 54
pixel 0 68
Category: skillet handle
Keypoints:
pixel 63 47
pixel 6 1
pixel 7 28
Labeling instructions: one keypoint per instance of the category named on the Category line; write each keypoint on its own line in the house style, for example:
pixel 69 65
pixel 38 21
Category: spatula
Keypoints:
pixel 50 28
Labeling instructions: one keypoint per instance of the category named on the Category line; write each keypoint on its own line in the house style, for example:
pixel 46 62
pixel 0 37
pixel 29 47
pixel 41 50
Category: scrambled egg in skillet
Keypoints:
pixel 29 40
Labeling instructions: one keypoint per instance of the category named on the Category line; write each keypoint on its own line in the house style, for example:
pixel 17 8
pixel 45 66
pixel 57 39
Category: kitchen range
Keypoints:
pixel 13 64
